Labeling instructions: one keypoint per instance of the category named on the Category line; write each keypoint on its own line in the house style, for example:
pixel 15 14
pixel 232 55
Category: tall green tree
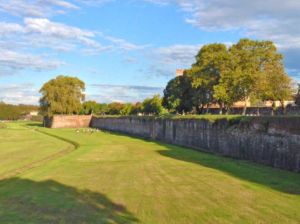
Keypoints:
pixel 62 95
pixel 115 108
pixel 90 107
pixel 276 85
pixel 253 65
pixel 211 62
pixel 152 106
pixel 126 110
pixel 136 108
pixel 297 98
pixel 178 95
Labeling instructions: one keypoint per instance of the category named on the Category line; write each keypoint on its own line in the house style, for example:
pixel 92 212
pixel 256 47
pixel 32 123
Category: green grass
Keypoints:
pixel 111 178
pixel 2 125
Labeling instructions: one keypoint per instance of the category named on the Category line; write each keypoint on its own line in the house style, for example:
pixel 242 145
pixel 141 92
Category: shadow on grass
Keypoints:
pixel 27 201
pixel 34 124
pixel 280 180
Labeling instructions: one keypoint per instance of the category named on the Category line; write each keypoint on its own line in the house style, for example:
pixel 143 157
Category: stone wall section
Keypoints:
pixel 274 142
pixel 68 121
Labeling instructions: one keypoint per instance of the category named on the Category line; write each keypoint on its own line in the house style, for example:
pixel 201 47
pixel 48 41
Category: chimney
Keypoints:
pixel 179 72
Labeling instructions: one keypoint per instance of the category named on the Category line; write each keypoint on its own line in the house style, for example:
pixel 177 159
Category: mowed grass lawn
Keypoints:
pixel 110 178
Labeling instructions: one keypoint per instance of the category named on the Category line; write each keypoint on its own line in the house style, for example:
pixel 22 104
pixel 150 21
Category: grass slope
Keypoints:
pixel 21 149
pixel 112 178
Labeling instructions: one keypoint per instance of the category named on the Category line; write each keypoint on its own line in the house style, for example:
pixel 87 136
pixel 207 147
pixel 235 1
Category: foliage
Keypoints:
pixel 212 61
pixel 178 95
pixel 62 95
pixel 15 112
pixel 297 98
pixel 152 106
pixel 249 70
pixel 115 108
pixel 127 108
pixel 136 109
pixel 90 107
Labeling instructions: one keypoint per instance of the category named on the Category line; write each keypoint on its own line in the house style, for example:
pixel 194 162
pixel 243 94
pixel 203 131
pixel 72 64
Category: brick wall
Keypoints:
pixel 68 121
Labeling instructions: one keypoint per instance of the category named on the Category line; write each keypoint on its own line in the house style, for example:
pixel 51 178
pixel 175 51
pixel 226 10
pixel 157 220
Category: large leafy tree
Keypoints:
pixel 297 98
pixel 211 62
pixel 178 95
pixel 153 106
pixel 90 107
pixel 276 84
pixel 126 110
pixel 14 112
pixel 62 95
pixel 115 108
pixel 254 72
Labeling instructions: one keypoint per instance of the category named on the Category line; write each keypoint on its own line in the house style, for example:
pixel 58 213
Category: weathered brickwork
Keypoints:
pixel 68 121
pixel 273 142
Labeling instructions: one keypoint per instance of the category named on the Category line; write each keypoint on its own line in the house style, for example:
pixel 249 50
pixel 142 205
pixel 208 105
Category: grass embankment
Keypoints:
pixel 22 149
pixel 112 178
pixel 2 125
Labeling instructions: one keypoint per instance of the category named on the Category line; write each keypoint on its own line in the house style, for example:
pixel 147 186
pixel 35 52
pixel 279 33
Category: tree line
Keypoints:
pixel 65 95
pixel 15 112
pixel 249 70
pixel 150 106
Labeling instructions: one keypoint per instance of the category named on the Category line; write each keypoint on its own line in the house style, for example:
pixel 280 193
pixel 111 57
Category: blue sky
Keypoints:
pixel 126 50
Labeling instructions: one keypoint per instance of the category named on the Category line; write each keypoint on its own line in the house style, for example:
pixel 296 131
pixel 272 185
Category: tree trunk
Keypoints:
pixel 245 107
pixel 221 108
pixel 227 110
pixel 283 107
pixel 273 108
pixel 207 108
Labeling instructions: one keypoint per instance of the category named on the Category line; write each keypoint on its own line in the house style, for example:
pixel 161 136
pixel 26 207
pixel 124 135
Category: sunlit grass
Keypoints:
pixel 111 178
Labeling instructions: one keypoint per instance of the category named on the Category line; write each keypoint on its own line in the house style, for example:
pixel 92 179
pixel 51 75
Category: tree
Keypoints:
pixel 178 95
pixel 276 85
pixel 115 108
pixel 253 65
pixel 211 62
pixel 297 98
pixel 90 107
pixel 126 110
pixel 14 112
pixel 62 95
pixel 152 106
pixel 103 108
pixel 227 89
pixel 136 108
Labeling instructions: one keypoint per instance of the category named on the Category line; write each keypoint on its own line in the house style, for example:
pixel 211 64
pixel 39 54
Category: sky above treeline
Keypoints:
pixel 127 50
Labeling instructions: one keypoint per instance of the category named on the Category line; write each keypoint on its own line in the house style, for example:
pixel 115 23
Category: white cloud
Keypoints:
pixel 274 20
pixel 17 94
pixel 165 60
pixel 268 19
pixel 46 27
pixel 19 41
pixel 35 8
pixel 14 61
pixel 123 44
pixel 122 93
pixel 181 55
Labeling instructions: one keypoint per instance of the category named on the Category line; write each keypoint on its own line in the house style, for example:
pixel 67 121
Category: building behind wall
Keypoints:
pixel 179 72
